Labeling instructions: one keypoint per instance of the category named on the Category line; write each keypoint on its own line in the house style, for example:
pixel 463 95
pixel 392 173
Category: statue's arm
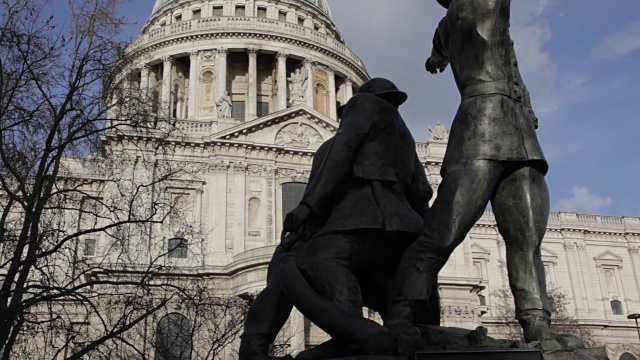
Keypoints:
pixel 439 58
pixel 526 97
pixel 336 169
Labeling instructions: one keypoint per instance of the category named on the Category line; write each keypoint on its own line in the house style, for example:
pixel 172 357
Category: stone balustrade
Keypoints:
pixel 575 221
pixel 248 24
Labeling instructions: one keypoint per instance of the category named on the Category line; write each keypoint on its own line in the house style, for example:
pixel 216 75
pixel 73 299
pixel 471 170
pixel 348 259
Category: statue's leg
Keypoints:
pixel 521 207
pixel 462 198
pixel 329 293
pixel 266 316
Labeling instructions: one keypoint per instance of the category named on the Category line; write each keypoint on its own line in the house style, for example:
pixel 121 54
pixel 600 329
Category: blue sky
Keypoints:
pixel 579 59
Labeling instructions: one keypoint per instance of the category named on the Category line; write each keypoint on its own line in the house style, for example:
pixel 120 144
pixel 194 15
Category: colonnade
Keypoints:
pixel 221 54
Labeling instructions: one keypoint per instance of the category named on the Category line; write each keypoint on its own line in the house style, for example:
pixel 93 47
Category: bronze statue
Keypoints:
pixel 493 155
pixel 371 188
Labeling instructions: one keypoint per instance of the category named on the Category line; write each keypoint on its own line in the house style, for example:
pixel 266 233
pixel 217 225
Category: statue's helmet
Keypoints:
pixel 445 3
pixel 384 89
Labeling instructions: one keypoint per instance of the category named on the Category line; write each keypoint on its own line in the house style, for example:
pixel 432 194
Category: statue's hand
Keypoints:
pixel 289 239
pixel 430 68
pixel 294 220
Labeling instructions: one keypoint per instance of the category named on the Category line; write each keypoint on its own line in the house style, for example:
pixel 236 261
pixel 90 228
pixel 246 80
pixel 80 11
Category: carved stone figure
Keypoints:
pixel 224 106
pixel 493 155
pixel 440 133
pixel 298 87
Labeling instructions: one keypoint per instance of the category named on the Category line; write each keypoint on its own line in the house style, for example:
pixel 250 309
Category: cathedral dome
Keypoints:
pixel 224 62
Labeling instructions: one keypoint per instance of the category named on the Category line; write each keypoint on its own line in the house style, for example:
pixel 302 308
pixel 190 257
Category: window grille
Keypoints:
pixel 263 109
pixel 178 248
pixel 238 110
pixel 291 195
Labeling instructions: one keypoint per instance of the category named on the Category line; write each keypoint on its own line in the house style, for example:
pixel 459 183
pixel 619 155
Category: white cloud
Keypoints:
pixel 618 44
pixel 584 201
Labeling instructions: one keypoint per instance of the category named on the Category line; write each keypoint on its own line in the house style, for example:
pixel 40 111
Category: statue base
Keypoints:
pixel 515 354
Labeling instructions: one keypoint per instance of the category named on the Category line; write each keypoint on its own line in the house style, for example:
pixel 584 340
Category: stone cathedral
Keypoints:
pixel 254 87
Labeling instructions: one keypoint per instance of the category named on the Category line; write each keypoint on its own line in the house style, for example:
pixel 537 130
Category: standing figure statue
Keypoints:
pixel 298 86
pixel 224 106
pixel 493 155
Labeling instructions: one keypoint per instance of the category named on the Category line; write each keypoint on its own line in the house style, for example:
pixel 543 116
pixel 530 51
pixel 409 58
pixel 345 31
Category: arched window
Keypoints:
pixel 173 338
pixel 616 307
pixel 254 212
pixel 291 196
pixel 627 356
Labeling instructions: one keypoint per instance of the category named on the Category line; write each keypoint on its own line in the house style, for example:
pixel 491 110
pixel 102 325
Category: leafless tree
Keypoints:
pixel 562 321
pixel 80 270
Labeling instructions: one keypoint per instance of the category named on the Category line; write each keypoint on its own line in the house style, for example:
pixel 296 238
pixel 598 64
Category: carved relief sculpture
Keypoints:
pixel 299 135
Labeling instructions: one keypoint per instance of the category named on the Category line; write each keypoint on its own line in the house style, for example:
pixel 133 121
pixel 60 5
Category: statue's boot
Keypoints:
pixel 371 337
pixel 256 347
pixel 536 325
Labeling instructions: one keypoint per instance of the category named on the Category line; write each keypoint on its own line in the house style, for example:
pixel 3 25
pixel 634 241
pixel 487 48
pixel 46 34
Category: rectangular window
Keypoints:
pixel 240 10
pixel 300 21
pixel 282 16
pixel 263 109
pixel 616 307
pixel 291 195
pixel 178 17
pixel 197 14
pixel 217 11
pixel 89 248
pixel 238 110
pixel 178 248
pixel 262 12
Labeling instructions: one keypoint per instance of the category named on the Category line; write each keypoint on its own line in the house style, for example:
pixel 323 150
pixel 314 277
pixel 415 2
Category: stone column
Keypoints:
pixel 222 72
pixel 167 68
pixel 252 94
pixel 348 89
pixel 193 84
pixel 308 65
pixel 333 109
pixel 282 81
pixel 144 80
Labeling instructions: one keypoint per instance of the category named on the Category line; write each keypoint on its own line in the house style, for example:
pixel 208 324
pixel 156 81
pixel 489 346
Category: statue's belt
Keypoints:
pixel 493 87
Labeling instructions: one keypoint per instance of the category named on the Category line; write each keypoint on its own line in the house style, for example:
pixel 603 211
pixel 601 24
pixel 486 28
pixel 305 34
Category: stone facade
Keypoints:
pixel 286 69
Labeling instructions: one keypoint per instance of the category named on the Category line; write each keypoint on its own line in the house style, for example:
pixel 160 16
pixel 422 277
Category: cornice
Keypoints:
pixel 155 46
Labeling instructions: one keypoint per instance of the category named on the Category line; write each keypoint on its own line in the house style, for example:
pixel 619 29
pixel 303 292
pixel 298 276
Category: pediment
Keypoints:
pixel 608 258
pixel 298 127
pixel 479 252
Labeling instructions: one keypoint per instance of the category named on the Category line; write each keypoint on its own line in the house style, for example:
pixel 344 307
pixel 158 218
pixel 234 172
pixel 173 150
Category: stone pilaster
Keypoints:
pixel 634 251
pixel 333 109
pixel 282 81
pixel 167 62
pixel 308 66
pixel 252 93
pixel 222 71
pixel 574 276
pixel 193 84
